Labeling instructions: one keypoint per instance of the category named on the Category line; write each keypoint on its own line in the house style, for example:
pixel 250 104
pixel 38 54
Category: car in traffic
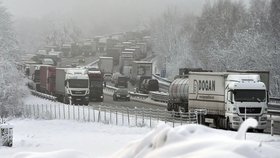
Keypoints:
pixel 121 94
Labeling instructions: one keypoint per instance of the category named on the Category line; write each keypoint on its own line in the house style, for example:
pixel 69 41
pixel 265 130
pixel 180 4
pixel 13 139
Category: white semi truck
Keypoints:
pixel 72 84
pixel 228 98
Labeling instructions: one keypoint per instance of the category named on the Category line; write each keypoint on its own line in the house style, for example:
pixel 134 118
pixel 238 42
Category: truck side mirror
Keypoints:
pixel 230 96
pixel 65 83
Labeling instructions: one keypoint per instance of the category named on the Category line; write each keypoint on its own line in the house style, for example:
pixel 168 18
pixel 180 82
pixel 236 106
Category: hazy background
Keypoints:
pixel 36 19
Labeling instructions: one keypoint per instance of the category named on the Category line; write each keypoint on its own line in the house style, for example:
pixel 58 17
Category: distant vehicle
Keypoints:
pixel 121 82
pixel 140 69
pixel 121 94
pixel 48 61
pixel 148 85
pixel 105 65
pixel 107 77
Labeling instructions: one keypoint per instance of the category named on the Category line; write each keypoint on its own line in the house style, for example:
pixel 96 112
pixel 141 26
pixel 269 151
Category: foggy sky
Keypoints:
pixel 39 8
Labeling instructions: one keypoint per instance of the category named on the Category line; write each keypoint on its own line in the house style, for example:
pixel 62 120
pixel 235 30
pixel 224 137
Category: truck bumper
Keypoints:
pixel 237 120
pixel 80 99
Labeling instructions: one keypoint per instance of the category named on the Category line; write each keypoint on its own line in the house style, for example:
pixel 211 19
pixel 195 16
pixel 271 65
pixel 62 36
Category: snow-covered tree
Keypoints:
pixel 12 83
pixel 171 34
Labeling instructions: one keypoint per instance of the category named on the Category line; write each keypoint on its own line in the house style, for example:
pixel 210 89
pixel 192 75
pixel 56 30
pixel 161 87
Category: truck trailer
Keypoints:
pixel 72 85
pixel 105 65
pixel 47 79
pixel 95 86
pixel 228 98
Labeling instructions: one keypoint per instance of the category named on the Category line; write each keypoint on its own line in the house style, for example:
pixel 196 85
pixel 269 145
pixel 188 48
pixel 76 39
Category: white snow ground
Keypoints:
pixel 73 139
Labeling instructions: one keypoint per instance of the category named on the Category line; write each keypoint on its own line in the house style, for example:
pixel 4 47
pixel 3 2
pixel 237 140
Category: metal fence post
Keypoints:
pixel 128 121
pixel 59 112
pixel 173 119
pixel 88 114
pixel 116 116
pixel 46 108
pixel 64 111
pixel 74 117
pixel 55 111
pixel 150 117
pixel 143 116
pixel 189 114
pixel 135 116
pixel 122 117
pixel 84 112
pixel 165 119
pixel 181 118
pixel 78 106
pixel 109 122
pixel 98 118
pixel 272 127
pixel 93 115
pixel 157 115
pixel 68 111
pixel 38 112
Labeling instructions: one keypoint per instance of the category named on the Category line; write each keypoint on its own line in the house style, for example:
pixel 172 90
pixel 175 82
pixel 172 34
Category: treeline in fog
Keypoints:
pixel 227 35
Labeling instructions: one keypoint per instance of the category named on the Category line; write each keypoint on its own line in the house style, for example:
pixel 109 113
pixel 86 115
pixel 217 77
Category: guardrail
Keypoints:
pixel 43 95
pixel 159 96
pixel 161 79
pixel 274 100
pixel 93 63
pixel 132 94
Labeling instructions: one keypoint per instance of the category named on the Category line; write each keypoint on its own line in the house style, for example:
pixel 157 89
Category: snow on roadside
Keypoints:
pixel 196 141
pixel 55 137
pixel 74 139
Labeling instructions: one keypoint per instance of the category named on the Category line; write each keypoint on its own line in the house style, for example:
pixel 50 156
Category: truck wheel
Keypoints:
pixel 227 124
pixel 260 130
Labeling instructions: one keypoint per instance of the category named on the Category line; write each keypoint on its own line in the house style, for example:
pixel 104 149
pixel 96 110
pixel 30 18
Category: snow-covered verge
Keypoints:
pixel 75 139
pixel 72 139
pixel 196 141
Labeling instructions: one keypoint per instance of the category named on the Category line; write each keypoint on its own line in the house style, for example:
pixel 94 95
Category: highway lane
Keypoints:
pixel 108 100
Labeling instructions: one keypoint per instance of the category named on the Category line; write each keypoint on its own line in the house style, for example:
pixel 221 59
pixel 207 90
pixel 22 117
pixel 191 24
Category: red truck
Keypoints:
pixel 47 79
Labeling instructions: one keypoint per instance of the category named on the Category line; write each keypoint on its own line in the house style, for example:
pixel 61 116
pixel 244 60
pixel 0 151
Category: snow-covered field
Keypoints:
pixel 74 139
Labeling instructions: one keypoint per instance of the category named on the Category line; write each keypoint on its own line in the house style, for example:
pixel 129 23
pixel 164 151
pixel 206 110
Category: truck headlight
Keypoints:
pixel 264 118
pixel 234 109
pixel 118 95
pixel 101 96
pixel 265 110
pixel 236 119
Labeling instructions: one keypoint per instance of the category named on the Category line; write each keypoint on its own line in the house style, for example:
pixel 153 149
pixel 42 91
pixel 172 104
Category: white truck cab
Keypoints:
pixel 245 97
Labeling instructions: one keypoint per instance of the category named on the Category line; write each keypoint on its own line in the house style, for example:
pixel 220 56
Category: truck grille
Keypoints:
pixel 250 110
pixel 78 92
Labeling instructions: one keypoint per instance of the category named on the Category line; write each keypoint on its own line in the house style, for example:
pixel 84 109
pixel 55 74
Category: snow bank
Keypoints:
pixel 55 154
pixel 198 142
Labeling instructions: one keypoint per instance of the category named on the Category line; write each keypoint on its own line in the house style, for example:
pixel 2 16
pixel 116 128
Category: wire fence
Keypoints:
pixel 115 115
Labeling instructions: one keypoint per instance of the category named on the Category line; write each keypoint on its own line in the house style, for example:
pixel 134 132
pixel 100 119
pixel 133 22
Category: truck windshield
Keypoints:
pixel 78 83
pixel 249 95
